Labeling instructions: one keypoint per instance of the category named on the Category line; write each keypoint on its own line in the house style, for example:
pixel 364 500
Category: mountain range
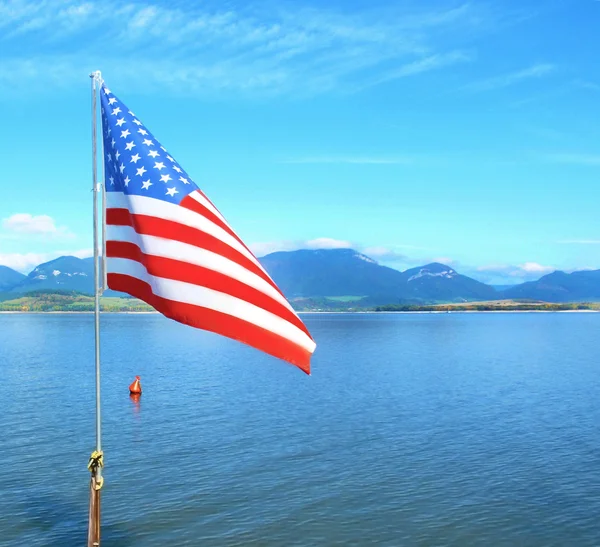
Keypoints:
pixel 340 275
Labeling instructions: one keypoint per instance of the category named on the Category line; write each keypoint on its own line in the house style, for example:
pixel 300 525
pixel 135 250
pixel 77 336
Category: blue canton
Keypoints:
pixel 134 161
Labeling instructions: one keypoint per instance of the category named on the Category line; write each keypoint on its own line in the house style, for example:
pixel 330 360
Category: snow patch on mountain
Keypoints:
pixel 365 258
pixel 448 274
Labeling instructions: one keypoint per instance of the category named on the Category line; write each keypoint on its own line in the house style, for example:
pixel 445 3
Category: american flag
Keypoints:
pixel 168 245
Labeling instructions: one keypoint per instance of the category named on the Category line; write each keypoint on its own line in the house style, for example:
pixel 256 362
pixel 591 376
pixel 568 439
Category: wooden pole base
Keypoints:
pixel 94 515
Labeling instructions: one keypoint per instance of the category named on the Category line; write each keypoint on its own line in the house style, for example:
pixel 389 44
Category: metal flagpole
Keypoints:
pixel 96 462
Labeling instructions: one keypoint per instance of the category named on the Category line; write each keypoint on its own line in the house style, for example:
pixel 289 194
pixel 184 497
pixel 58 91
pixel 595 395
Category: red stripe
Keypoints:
pixel 190 203
pixel 198 275
pixel 214 321
pixel 168 229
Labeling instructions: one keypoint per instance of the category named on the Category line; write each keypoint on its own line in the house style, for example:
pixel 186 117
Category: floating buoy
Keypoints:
pixel 135 388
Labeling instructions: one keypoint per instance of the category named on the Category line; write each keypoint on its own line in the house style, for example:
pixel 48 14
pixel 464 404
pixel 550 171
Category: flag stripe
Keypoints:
pixel 168 229
pixel 194 205
pixel 169 248
pixel 151 207
pixel 180 291
pixel 199 196
pixel 201 209
pixel 216 321
pixel 186 272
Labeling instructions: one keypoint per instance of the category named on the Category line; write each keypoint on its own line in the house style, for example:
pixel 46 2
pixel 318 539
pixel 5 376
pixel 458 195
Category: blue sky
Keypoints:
pixel 464 132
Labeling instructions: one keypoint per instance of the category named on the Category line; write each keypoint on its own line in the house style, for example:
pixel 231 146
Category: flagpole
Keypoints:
pixel 96 462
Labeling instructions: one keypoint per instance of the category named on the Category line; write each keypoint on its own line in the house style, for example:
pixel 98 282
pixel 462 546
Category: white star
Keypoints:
pixel 126 181
pixel 142 131
pixel 120 122
pixel 135 158
pixel 170 159
pixel 177 169
pixel 148 142
pixel 146 184
pixel 117 154
pixel 106 91
pixel 109 157
pixel 141 171
pixel 121 167
pixel 153 153
pixel 172 191
pixel 129 145
pixel 163 148
pixel 113 143
pixel 137 122
pixel 125 133
pixel 112 100
pixel 116 110
pixel 131 113
pixel 165 178
pixel 159 165
pixel 109 130
pixel 184 180
pixel 112 180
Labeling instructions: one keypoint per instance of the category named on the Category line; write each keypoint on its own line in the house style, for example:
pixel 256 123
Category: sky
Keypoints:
pixel 461 132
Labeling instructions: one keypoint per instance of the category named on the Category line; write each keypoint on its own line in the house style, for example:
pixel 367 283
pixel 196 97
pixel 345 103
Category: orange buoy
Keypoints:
pixel 135 388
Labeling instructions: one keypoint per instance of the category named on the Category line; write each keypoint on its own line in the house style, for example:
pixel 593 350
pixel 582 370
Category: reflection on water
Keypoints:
pixel 135 399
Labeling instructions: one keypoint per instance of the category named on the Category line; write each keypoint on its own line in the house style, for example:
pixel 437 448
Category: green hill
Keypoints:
pixel 47 301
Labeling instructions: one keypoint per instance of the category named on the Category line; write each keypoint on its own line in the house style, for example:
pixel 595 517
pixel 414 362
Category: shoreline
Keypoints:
pixel 306 312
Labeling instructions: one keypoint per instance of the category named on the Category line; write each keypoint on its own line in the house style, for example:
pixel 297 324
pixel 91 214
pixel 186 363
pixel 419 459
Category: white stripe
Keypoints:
pixel 175 250
pixel 197 196
pixel 141 205
pixel 187 293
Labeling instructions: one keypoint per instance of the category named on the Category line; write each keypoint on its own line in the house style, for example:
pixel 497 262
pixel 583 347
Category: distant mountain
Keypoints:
pixel 439 283
pixel 66 273
pixel 345 272
pixel 560 287
pixel 337 278
pixel 9 278
pixel 329 272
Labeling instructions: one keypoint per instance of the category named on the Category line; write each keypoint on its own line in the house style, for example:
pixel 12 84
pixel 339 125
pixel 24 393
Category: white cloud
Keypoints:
pixel 445 260
pixel 573 159
pixel 355 160
pixel 584 84
pixel 424 64
pixel 327 243
pixel 211 47
pixel 581 241
pixel 380 253
pixel 535 268
pixel 265 248
pixel 24 224
pixel 527 271
pixel 384 254
pixel 505 80
pixel 25 262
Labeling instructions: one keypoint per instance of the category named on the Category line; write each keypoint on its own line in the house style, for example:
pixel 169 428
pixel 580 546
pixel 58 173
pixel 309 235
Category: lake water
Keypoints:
pixel 414 429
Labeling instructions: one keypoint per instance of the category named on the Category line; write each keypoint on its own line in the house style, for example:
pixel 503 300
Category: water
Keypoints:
pixel 451 429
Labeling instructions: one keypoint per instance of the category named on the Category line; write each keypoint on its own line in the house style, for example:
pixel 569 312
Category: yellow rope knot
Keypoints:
pixel 96 461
